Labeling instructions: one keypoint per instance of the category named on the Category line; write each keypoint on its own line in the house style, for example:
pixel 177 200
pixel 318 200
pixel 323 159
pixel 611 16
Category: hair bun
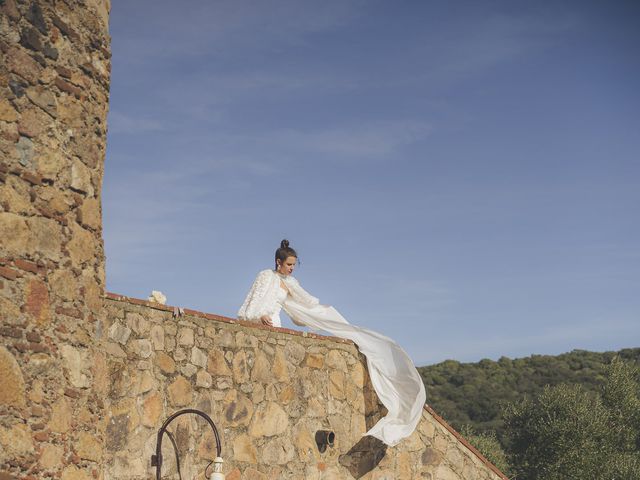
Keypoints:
pixel 284 243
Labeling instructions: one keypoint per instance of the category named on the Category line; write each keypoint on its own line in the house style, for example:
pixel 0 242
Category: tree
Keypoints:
pixel 472 393
pixel 558 435
pixel 487 443
pixel 568 433
pixel 621 397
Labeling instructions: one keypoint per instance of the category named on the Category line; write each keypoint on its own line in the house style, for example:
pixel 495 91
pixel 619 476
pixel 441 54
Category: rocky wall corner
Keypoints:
pixel 268 390
pixel 54 86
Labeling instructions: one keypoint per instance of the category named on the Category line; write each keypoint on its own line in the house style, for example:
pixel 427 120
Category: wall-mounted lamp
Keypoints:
pixel 156 460
pixel 324 439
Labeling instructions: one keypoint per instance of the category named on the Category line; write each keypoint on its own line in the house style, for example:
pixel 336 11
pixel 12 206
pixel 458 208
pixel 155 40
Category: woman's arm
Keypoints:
pixel 299 294
pixel 257 305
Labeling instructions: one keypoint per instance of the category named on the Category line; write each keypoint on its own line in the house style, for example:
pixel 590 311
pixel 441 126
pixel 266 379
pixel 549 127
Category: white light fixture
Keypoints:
pixel 217 470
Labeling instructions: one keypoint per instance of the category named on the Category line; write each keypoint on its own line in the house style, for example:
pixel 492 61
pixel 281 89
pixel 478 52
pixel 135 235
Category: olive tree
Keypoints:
pixel 567 433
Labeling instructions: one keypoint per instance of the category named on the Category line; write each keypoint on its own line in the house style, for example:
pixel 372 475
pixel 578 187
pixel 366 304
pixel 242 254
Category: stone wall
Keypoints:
pixel 54 82
pixel 268 390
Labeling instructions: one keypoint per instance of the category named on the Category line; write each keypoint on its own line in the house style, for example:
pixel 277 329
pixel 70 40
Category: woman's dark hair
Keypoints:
pixel 284 252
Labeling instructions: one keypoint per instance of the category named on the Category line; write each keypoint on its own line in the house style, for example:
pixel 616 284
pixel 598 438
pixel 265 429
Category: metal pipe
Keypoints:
pixel 324 439
pixel 156 460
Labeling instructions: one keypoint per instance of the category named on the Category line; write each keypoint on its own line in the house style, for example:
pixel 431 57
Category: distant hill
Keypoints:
pixel 472 393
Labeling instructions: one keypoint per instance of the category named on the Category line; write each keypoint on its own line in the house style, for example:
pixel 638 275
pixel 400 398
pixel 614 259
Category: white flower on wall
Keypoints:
pixel 157 297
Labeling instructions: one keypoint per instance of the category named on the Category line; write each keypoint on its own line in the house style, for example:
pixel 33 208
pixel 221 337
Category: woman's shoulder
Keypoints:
pixel 262 274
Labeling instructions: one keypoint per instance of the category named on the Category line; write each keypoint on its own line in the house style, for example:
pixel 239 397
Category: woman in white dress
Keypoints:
pixel 393 375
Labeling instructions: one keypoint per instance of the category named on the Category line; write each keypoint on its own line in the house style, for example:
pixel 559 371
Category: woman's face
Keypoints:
pixel 286 267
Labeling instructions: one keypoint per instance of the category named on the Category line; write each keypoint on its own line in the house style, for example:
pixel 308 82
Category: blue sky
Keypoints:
pixel 461 176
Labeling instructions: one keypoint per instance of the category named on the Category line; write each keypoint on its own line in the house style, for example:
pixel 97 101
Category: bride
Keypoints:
pixel 393 375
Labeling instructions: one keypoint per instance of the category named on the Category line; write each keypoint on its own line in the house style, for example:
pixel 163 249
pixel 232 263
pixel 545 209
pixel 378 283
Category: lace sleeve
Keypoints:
pixel 260 300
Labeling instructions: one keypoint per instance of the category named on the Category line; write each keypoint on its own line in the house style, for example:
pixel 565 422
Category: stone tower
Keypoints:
pixel 54 87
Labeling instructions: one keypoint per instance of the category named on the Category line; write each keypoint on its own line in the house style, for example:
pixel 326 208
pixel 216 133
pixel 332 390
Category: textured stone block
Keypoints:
pixel 74 473
pixel 37 302
pixel 43 98
pixel 240 367
pixel 119 333
pixel 14 233
pixel 74 362
pixel 336 361
pixel 92 290
pixel 444 472
pixel 278 451
pixel 20 62
pixel 152 410
pixel 89 447
pixel 82 246
pixel 165 363
pixel 185 337
pixel 217 364
pixel 45 238
pixel 244 450
pixel 269 420
pixel 141 347
pixel 188 370
pixel 294 352
pixel 253 474
pixel 138 323
pixel 305 443
pixel 203 379
pixel 246 340
pixel 157 337
pixel 117 432
pixel 336 385
pixel 33 123
pixel 12 392
pixel 16 440
pixel 315 360
pixel 143 382
pixel 89 214
pixel 64 284
pixel 51 456
pixel 233 474
pixel 280 366
pixel 180 392
pixel 114 350
pixel 15 197
pixel 61 416
pixel 238 409
pixel 198 357
pixel 7 112
pixel 358 375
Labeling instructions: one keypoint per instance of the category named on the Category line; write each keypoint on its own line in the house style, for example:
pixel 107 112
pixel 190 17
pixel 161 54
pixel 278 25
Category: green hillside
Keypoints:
pixel 472 393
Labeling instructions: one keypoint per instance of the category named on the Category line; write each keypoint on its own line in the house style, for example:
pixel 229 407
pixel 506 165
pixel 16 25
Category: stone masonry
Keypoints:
pixel 87 378
pixel 268 390
pixel 54 85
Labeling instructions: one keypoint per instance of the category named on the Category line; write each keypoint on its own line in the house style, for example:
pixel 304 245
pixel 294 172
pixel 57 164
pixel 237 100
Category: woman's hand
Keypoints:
pixel 266 320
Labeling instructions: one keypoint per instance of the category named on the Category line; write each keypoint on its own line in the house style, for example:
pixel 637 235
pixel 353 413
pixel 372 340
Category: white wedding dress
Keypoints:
pixel 281 296
pixel 393 375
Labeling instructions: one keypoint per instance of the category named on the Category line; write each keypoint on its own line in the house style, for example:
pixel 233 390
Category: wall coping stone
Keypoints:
pixel 220 318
